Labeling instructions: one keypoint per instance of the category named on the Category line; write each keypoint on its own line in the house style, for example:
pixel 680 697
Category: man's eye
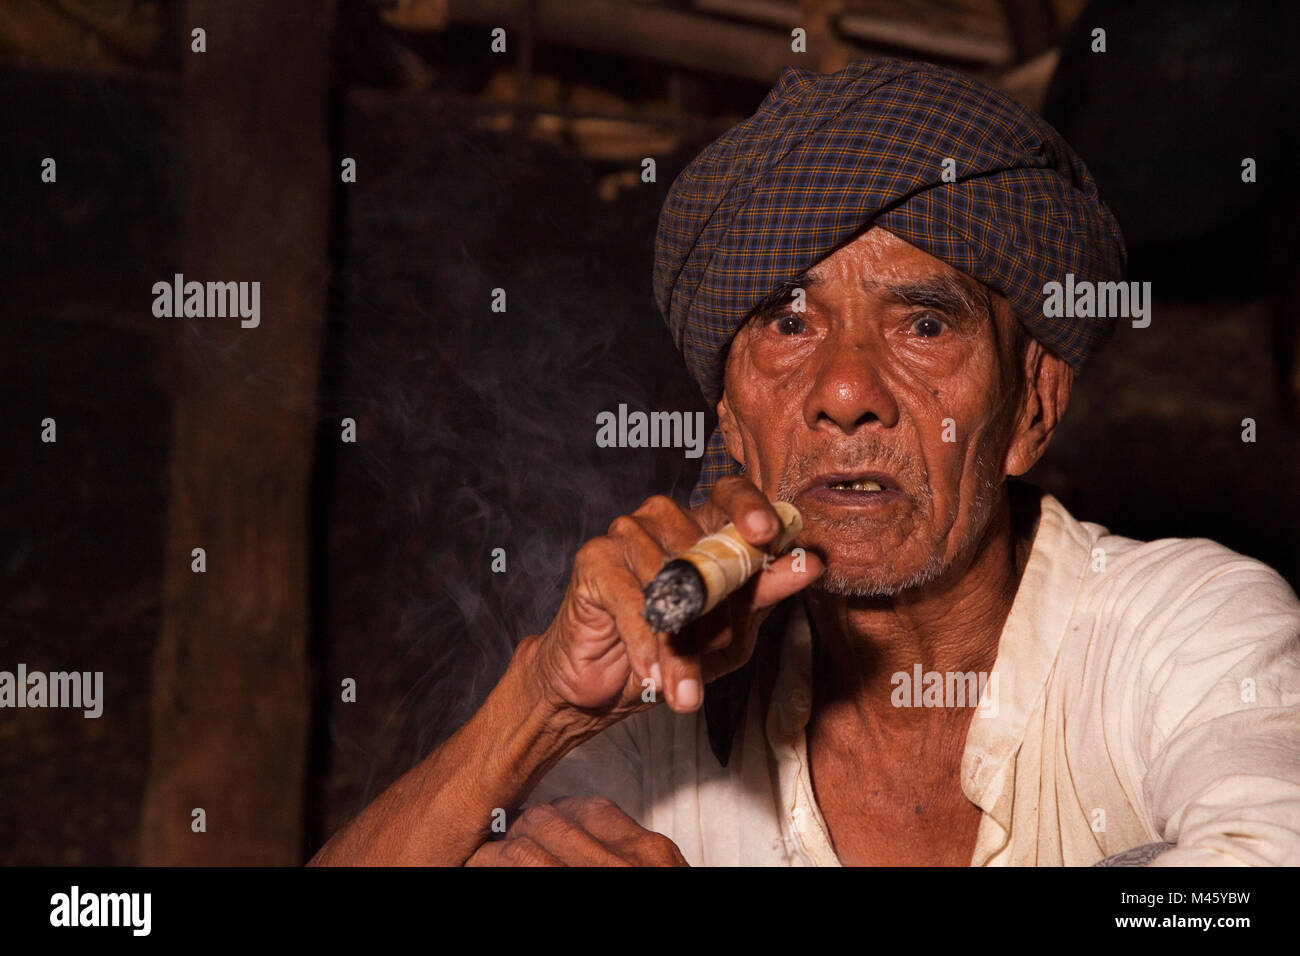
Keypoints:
pixel 789 324
pixel 927 326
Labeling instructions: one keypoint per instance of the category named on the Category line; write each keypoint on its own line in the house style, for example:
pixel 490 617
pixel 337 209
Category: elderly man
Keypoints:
pixel 950 668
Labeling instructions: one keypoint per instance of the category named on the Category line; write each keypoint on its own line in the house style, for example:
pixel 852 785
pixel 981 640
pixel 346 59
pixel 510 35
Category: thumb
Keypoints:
pixel 786 576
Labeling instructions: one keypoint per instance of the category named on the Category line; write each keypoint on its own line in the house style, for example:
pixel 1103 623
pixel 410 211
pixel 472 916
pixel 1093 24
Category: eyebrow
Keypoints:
pixel 781 295
pixel 945 293
pixel 948 294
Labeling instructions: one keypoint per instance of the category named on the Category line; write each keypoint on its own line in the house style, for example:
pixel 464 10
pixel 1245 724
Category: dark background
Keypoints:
pixel 476 429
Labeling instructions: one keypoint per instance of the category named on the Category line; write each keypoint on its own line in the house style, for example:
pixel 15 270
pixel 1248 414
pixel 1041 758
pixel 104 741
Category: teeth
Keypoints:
pixel 861 485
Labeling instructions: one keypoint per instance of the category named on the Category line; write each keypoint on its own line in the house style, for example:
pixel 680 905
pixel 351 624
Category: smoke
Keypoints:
pixel 481 424
pixel 490 460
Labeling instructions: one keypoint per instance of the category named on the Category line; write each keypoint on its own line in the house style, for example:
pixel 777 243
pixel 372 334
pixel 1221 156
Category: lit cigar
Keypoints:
pixel 696 581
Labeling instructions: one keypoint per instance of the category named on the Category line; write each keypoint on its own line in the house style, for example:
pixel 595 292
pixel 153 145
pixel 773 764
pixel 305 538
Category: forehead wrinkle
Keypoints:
pixel 953 293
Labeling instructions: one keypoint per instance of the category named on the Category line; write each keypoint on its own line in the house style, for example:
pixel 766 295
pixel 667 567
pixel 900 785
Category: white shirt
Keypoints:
pixel 1145 692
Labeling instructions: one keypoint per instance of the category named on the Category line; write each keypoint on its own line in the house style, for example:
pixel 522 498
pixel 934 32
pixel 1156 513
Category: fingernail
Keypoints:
pixel 761 522
pixel 688 693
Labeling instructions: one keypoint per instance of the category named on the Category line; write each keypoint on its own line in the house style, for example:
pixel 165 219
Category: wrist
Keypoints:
pixel 561 718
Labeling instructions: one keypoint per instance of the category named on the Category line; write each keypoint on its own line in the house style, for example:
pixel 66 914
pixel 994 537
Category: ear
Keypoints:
pixel 1049 379
pixel 730 432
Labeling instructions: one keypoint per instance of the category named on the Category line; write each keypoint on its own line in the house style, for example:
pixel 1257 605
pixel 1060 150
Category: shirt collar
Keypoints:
pixel 1031 639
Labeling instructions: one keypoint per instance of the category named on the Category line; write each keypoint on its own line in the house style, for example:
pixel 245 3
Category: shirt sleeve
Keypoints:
pixel 607 765
pixel 1218 707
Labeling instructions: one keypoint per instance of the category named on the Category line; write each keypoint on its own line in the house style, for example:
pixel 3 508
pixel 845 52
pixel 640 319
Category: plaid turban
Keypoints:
pixel 828 154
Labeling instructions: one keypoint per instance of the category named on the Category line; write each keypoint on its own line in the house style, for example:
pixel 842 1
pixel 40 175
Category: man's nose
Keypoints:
pixel 849 389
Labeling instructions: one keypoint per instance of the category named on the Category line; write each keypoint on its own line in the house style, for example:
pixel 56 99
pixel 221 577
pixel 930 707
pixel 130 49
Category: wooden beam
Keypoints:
pixel 644 32
pixel 922 38
pixel 925 41
pixel 693 40
pixel 230 704
pixel 64 35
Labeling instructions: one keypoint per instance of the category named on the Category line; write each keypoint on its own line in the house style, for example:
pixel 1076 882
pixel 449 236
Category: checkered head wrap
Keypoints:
pixel 828 154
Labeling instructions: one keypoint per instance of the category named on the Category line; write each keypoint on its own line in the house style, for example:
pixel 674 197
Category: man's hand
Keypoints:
pixel 599 650
pixel 578 832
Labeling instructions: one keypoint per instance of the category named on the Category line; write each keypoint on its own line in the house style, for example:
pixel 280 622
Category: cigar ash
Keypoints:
pixel 675 597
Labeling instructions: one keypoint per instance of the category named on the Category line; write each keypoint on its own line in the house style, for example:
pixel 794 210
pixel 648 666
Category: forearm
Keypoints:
pixel 440 811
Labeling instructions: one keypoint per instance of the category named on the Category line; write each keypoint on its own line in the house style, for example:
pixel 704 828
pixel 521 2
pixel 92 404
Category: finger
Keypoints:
pixel 605 820
pixel 645 557
pixel 629 839
pixel 489 854
pixel 521 852
pixel 642 554
pixel 785 576
pixel 655 849
pixel 741 503
pixel 620 594
pixel 683 683
pixel 739 617
pixel 739 614
pixel 679 677
pixel 674 529
pixel 674 675
pixel 600 816
pixel 677 671
pixel 781 578
pixel 563 836
pixel 524 851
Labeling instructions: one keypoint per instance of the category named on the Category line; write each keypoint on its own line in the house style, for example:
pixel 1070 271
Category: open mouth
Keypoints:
pixel 864 489
pixel 856 484
pixel 854 481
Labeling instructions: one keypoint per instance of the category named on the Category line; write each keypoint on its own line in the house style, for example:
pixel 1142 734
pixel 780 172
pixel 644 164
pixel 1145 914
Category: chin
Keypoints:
pixel 876 582
pixel 866 546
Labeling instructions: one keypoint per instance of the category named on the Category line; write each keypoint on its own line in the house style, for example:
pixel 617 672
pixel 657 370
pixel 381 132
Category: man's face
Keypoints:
pixel 899 370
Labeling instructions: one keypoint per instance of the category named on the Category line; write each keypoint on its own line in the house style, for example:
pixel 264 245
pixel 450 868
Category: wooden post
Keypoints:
pixel 230 683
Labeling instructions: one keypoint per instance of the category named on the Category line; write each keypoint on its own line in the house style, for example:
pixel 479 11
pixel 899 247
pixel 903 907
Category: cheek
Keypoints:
pixel 767 414
pixel 765 406
pixel 952 439
pixel 935 366
pixel 766 373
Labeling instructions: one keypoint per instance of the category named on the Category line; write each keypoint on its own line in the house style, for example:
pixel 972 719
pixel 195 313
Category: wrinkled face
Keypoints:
pixel 884 408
